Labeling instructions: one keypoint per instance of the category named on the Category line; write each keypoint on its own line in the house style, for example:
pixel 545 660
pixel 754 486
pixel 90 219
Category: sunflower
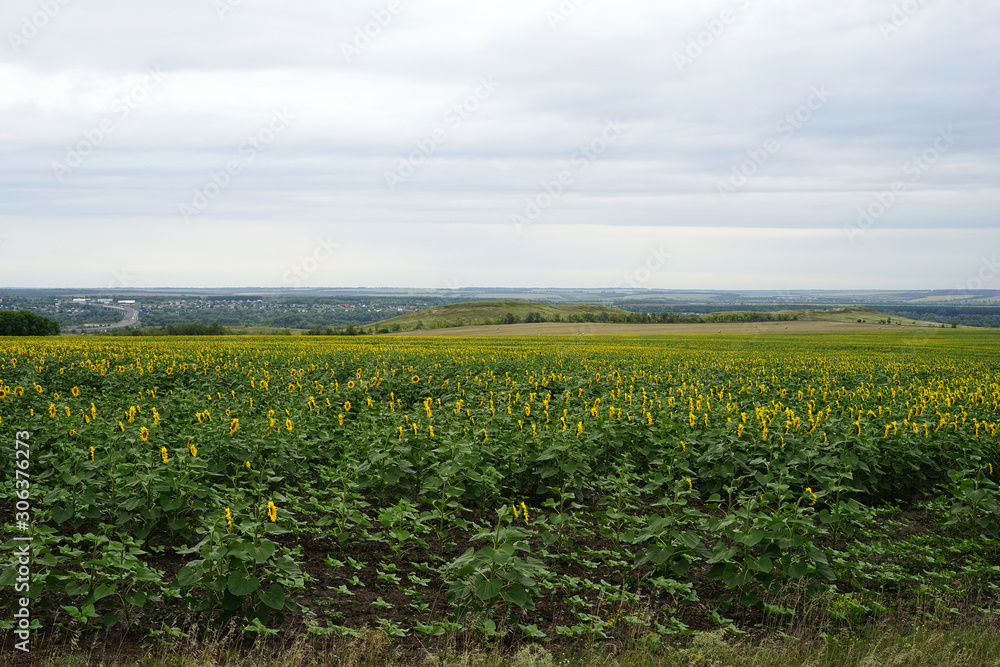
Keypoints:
pixel 272 511
pixel 75 391
pixel 415 379
pixel 288 424
pixel 350 384
pixel 144 433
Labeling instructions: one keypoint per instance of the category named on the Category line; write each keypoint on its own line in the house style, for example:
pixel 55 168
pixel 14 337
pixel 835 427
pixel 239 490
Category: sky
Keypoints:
pixel 739 144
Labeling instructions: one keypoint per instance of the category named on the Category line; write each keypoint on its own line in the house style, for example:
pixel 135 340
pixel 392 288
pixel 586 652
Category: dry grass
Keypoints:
pixel 901 647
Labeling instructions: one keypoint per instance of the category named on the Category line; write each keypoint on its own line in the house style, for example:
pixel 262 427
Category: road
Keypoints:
pixel 130 318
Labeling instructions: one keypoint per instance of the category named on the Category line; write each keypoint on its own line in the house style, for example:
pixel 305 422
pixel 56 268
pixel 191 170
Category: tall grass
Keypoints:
pixel 921 646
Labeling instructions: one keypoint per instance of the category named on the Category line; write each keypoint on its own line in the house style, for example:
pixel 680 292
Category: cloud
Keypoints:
pixel 897 75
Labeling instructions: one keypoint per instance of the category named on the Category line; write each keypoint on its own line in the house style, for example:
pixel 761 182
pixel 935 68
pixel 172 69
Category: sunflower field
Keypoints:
pixel 549 489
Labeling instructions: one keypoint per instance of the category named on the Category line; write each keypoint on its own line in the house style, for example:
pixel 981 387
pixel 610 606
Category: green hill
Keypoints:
pixel 473 313
pixel 489 312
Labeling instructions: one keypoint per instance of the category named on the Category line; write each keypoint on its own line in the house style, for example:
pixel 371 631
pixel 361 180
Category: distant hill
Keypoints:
pixel 473 313
pixel 858 313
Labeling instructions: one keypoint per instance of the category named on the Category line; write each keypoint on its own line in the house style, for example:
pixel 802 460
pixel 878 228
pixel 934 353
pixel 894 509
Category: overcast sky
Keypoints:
pixel 430 143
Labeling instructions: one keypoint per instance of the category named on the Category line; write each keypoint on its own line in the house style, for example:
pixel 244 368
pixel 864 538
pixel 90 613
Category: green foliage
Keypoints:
pixel 500 572
pixel 26 323
pixel 836 477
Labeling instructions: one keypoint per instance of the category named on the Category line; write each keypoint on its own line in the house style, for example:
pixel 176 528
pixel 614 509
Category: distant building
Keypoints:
pixel 126 301
pixel 80 300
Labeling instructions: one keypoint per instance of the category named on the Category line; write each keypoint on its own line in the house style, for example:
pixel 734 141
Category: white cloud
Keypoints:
pixel 556 87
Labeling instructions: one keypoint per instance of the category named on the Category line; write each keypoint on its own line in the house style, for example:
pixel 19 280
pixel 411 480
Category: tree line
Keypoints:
pixel 26 323
pixel 665 317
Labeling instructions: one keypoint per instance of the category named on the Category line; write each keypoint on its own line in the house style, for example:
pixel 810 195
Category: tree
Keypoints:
pixel 26 323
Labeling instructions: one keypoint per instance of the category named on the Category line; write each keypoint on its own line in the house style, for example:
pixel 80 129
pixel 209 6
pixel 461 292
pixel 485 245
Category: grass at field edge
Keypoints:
pixel 904 647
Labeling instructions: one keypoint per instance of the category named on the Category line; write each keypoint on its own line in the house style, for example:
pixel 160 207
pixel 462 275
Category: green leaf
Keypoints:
pixel 273 598
pixel 824 570
pixel 688 539
pixel 487 589
pixel 532 631
pixel 974 495
pixel 62 514
pixel 797 569
pixel 189 574
pixel 263 552
pixel 231 602
pixel 516 595
pixel 103 591
pixel 241 583
pixel 74 589
pixel 173 504
pixel 138 599
pixel 491 555
pixel 47 558
pixel 288 566
pixel 723 555
pixel 762 564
